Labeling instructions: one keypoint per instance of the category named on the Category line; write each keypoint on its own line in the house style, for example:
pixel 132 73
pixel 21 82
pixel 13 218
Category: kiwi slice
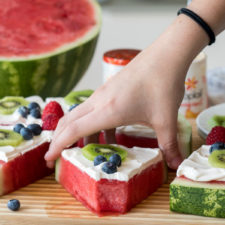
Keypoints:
pixel 217 158
pixel 77 97
pixel 9 137
pixel 90 151
pixel 10 103
pixel 216 120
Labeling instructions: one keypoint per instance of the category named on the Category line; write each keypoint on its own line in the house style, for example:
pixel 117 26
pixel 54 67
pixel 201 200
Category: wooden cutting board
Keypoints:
pixel 46 202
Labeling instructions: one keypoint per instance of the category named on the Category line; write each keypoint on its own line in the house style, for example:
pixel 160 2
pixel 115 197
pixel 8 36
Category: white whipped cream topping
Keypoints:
pixel 8 153
pixel 197 167
pixel 61 101
pixel 136 130
pixel 17 118
pixel 137 160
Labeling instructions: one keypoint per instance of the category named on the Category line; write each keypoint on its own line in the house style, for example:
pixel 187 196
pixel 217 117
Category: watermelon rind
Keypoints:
pixel 1 181
pixel 54 73
pixel 197 198
pixel 57 169
pixel 184 136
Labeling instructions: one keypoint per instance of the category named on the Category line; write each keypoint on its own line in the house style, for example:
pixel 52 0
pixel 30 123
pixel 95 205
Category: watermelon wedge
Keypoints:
pixel 46 46
pixel 199 187
pixel 117 192
pixel 142 136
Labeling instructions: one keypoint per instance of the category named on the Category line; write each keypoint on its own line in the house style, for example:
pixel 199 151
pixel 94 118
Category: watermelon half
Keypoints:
pixel 46 46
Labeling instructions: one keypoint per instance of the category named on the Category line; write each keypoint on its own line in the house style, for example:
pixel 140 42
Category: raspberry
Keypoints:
pixel 50 122
pixel 217 134
pixel 52 107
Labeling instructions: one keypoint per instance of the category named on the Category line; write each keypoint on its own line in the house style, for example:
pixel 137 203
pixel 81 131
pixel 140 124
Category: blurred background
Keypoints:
pixel 136 24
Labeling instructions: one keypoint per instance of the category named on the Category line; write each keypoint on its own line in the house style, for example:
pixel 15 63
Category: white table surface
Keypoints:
pixel 136 24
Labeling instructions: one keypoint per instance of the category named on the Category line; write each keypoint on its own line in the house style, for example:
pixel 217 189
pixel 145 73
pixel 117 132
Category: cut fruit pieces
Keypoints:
pixel 78 97
pixel 217 158
pixel 8 137
pixel 90 151
pixel 10 103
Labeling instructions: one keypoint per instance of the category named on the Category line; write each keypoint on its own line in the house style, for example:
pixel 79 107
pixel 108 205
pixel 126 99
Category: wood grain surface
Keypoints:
pixel 46 202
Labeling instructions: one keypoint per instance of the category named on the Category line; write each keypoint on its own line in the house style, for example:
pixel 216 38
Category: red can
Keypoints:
pixel 115 60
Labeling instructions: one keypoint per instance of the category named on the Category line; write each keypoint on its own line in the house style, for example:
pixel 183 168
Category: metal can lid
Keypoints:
pixel 120 56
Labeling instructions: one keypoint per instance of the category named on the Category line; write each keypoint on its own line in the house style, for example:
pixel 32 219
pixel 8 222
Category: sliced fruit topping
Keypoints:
pixel 78 97
pixel 217 146
pixel 217 158
pixel 73 107
pixel 33 105
pixel 116 159
pixel 109 168
pixel 216 120
pixel 9 104
pixel 53 107
pixel 18 127
pixel 35 128
pixel 217 134
pixel 99 159
pixel 23 111
pixel 50 122
pixel 13 204
pixel 90 151
pixel 9 137
pixel 26 133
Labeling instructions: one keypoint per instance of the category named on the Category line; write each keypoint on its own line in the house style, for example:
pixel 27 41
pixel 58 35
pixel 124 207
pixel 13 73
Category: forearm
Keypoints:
pixel 184 38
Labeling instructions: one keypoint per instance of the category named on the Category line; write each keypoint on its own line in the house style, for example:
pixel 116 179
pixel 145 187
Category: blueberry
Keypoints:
pixel 99 159
pixel 109 167
pixel 23 111
pixel 34 105
pixel 35 128
pixel 26 133
pixel 73 107
pixel 13 204
pixel 18 127
pixel 116 159
pixel 36 113
pixel 217 146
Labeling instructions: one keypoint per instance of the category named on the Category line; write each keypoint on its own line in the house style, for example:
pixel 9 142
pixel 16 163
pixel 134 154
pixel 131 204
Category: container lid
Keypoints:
pixel 120 56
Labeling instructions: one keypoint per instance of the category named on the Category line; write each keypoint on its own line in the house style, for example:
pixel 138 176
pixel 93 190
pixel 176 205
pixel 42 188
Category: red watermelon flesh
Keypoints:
pixel 131 140
pixel 110 195
pixel 24 169
pixel 39 26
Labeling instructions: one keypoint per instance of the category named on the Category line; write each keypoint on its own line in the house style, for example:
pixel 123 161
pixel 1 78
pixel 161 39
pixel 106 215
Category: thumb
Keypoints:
pixel 167 138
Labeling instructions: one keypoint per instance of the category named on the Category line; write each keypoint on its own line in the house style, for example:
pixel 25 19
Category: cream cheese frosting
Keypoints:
pixel 137 160
pixel 137 130
pixel 17 118
pixel 197 167
pixel 8 153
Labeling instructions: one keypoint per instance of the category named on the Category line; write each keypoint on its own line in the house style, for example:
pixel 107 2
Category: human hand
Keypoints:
pixel 133 96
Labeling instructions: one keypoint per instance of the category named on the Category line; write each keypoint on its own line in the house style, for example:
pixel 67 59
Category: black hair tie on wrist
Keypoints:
pixel 200 21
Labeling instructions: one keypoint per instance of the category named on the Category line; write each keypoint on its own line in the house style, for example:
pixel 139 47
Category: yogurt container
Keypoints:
pixel 115 60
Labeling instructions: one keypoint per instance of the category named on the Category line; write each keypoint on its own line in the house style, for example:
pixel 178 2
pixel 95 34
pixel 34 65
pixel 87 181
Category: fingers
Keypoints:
pixel 73 130
pixel 167 139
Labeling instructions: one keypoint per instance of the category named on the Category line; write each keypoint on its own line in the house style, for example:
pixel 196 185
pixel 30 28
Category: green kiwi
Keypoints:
pixel 217 158
pixel 9 137
pixel 77 97
pixel 10 103
pixel 90 151
pixel 216 120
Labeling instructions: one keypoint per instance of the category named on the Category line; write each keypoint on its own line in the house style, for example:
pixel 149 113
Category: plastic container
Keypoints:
pixel 115 60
